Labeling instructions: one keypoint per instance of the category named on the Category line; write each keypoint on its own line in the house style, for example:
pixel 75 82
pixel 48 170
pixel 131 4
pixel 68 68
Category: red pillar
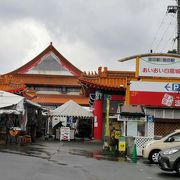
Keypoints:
pixel 98 120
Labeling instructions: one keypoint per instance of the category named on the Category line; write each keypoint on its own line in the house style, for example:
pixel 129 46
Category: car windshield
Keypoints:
pixel 167 136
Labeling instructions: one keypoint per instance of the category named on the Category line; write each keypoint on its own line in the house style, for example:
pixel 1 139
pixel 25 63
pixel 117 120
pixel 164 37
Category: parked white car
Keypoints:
pixel 152 148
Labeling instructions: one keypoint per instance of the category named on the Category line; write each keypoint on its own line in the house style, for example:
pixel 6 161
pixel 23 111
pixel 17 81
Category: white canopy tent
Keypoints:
pixel 8 100
pixel 12 104
pixel 71 109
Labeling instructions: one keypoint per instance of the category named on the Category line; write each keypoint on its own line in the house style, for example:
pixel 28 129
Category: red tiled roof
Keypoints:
pixel 11 84
pixel 110 80
pixel 48 99
pixel 34 61
pixel 53 80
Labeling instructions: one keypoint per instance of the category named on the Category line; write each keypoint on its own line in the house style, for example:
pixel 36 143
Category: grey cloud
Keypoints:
pixel 110 28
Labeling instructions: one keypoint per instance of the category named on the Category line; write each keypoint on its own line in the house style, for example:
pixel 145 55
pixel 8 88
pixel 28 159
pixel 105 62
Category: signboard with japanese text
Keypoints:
pixel 155 93
pixel 65 134
pixel 159 66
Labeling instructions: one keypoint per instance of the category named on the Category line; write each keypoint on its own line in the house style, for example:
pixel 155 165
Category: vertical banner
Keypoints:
pixel 98 121
pixel 24 120
pixel 137 67
pixel 107 133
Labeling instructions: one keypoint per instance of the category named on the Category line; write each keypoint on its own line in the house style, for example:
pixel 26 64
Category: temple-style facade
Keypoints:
pixel 50 79
pixel 107 90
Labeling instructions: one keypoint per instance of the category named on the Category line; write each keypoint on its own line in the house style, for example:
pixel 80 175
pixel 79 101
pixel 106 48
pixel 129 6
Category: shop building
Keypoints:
pixel 157 88
pixel 154 86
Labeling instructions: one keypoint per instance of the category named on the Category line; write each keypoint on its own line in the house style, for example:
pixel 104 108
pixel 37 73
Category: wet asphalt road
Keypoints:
pixel 71 161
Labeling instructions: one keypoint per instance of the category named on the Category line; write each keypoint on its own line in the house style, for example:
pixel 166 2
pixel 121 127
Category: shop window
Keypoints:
pixel 64 90
pixel 141 128
pixel 131 128
pixel 73 90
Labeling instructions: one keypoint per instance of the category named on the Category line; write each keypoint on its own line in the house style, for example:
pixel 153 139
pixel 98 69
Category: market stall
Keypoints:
pixel 14 111
pixel 70 115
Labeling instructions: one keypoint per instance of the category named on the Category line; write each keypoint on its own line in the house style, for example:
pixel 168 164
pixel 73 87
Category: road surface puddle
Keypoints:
pixel 99 155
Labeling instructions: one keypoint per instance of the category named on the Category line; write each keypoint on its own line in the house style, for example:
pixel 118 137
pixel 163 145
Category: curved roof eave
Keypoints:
pixel 50 48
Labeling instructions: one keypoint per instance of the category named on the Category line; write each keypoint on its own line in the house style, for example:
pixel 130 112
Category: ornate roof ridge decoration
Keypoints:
pixel 30 94
pixel 74 70
pixel 11 84
pixel 104 79
pixel 107 73
pixel 45 76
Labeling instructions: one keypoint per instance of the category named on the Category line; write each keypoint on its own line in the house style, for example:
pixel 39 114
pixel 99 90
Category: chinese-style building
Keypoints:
pixel 50 79
pixel 155 86
pixel 100 87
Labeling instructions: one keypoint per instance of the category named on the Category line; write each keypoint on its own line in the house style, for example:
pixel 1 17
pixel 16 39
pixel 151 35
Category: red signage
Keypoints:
pixel 155 94
pixel 155 98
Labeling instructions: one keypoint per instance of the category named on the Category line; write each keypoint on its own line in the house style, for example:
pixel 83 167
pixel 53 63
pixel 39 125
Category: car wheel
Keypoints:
pixel 154 156
pixel 178 168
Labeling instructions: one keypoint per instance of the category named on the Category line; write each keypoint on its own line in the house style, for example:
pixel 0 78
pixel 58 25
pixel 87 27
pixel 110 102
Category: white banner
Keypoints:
pixel 159 66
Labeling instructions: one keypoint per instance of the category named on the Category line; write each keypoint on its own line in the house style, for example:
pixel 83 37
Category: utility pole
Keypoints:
pixel 178 27
pixel 174 10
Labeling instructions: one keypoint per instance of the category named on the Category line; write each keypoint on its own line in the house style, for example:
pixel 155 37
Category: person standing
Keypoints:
pixel 33 127
pixel 9 125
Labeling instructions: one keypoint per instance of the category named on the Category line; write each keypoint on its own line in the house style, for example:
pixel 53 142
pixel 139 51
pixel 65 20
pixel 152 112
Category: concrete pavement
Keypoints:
pixel 46 149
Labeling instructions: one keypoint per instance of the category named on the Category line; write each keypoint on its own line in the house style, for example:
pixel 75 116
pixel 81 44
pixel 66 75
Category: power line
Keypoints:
pixel 168 33
pixel 156 34
pixel 174 40
pixel 160 35
pixel 164 33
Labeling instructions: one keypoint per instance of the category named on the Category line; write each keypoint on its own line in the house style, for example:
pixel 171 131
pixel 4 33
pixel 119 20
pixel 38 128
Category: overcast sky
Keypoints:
pixel 89 33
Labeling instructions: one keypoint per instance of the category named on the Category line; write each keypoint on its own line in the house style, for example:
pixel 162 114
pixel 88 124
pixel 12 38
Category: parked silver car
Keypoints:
pixel 169 159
